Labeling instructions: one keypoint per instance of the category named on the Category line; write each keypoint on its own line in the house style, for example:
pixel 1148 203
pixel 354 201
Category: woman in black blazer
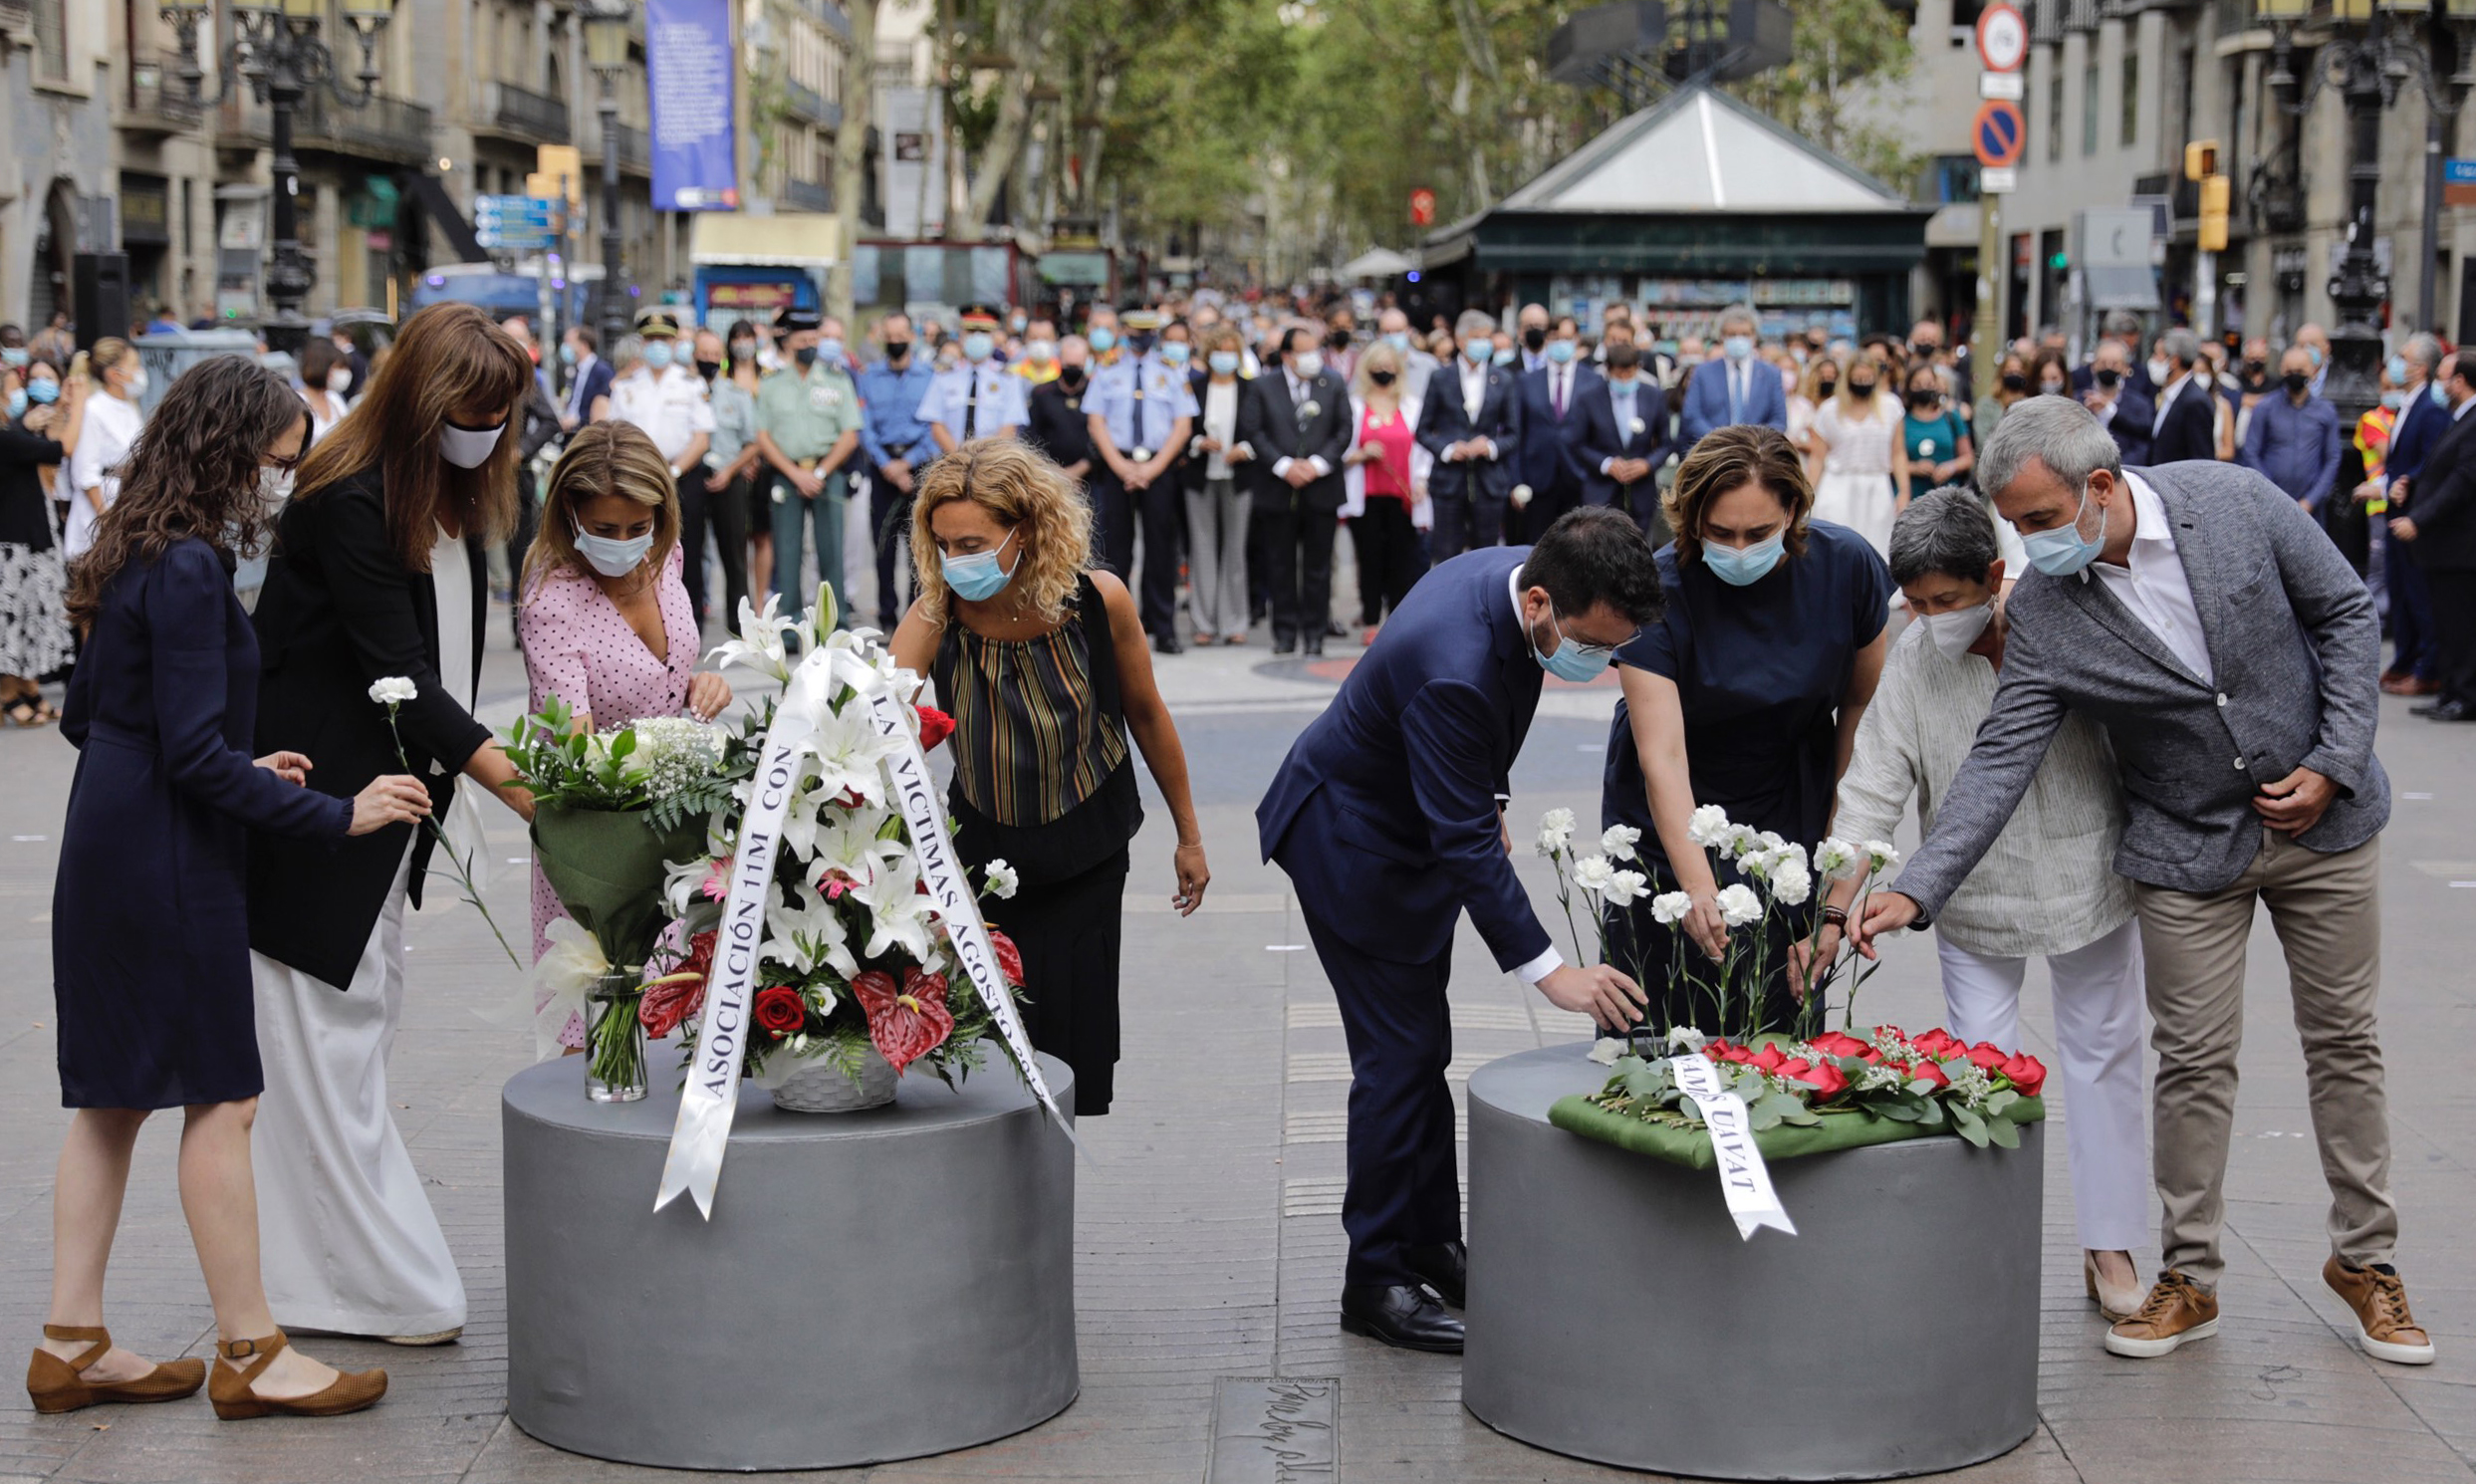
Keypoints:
pixel 378 572
pixel 150 962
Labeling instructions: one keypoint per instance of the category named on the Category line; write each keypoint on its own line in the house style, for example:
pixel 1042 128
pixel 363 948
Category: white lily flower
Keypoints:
pixel 1618 842
pixel 1836 859
pixel 393 691
pixel 1880 855
pixel 1738 906
pixel 1556 831
pixel 901 915
pixel 848 841
pixel 1670 908
pixel 1593 874
pixel 808 932
pixel 850 755
pixel 1791 885
pixel 1002 880
pixel 1708 827
pixel 1625 888
pixel 759 645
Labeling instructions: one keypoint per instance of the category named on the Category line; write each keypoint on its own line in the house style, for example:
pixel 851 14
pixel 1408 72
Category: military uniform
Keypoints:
pixel 807 412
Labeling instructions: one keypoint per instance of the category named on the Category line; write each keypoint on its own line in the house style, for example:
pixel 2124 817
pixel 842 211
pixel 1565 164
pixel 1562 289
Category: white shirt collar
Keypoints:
pixel 2461 410
pixel 2148 512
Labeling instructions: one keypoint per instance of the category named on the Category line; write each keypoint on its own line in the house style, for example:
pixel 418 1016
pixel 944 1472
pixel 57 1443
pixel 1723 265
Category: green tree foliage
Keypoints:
pixel 1849 59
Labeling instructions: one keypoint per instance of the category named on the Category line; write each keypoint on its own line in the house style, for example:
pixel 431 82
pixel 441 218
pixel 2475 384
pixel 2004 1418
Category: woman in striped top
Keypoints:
pixel 1044 669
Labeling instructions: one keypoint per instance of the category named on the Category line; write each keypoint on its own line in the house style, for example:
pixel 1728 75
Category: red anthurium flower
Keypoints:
pixel 1009 957
pixel 1827 1081
pixel 779 1010
pixel 1840 1044
pixel 935 726
pixel 908 1024
pixel 1987 1057
pixel 682 993
pixel 2025 1073
pixel 1928 1072
pixel 1939 1043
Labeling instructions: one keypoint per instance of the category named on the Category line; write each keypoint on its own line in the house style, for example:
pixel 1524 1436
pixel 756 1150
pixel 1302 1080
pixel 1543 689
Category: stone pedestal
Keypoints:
pixel 1615 1316
pixel 872 1286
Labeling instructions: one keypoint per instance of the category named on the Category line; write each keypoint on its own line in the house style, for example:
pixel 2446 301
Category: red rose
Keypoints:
pixel 906 1024
pixel 1987 1057
pixel 1928 1072
pixel 1840 1044
pixel 664 1006
pixel 1794 1069
pixel 1718 1049
pixel 779 1009
pixel 1894 1031
pixel 1769 1059
pixel 935 726
pixel 1828 1081
pixel 2025 1073
pixel 1939 1043
pixel 1009 957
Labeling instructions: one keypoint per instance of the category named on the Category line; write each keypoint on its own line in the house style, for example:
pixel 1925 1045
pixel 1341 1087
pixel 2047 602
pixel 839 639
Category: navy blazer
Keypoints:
pixel 1601 439
pixel 2415 435
pixel 598 379
pixel 1706 398
pixel 2190 428
pixel 1549 460
pixel 1386 813
pixel 1442 422
pixel 2134 412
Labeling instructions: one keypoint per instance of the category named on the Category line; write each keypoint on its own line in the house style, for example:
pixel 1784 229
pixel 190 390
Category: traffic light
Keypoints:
pixel 2201 159
pixel 2212 234
pixel 2058 261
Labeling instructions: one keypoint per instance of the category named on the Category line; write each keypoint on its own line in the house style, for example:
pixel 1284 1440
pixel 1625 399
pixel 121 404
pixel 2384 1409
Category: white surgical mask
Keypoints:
pixel 136 387
pixel 2161 371
pixel 468 447
pixel 340 380
pixel 1040 351
pixel 273 486
pixel 1952 633
pixel 1308 364
pixel 612 556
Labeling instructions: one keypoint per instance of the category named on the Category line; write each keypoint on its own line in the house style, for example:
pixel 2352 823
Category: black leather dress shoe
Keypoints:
pixel 2428 708
pixel 1445 1266
pixel 1285 643
pixel 1167 644
pixel 1405 1316
pixel 1315 646
pixel 2448 711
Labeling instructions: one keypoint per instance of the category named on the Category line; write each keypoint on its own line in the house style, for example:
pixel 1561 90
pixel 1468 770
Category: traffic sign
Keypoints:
pixel 2002 38
pixel 1993 182
pixel 1422 207
pixel 2009 85
pixel 1998 132
pixel 2459 182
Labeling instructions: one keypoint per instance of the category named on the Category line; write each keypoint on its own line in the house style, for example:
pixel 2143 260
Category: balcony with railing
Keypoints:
pixel 799 101
pixel 387 129
pixel 156 100
pixel 527 114
pixel 2046 22
pixel 806 195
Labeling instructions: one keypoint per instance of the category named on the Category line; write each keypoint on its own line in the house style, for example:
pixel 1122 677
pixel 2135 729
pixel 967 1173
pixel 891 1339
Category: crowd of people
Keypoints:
pixel 1828 582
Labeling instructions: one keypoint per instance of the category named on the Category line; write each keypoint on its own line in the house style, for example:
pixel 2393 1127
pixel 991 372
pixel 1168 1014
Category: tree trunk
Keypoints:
pixel 851 158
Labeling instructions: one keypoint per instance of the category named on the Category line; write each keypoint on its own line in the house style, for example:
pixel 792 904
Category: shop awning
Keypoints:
pixel 806 239
pixel 1377 262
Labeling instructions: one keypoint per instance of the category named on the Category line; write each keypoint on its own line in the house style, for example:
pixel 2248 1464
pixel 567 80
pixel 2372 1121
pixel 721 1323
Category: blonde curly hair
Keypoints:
pixel 1022 490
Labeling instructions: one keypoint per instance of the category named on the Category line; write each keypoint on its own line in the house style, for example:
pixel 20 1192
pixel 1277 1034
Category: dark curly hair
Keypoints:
pixel 1726 460
pixel 194 471
pixel 1592 556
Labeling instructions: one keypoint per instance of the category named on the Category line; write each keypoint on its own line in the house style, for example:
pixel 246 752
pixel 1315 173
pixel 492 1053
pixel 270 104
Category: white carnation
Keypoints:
pixel 1880 855
pixel 1618 842
pixel 1593 874
pixel 1741 841
pixel 1836 859
pixel 1708 827
pixel 1685 1038
pixel 1738 906
pixel 1556 831
pixel 1670 908
pixel 393 691
pixel 1790 884
pixel 1003 880
pixel 1625 888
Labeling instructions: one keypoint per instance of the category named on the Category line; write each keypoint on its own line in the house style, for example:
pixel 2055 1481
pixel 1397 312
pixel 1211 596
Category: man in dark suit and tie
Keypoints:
pixel 2418 432
pixel 589 377
pixel 2438 527
pixel 1388 817
pixel 2124 409
pixel 2123 329
pixel 1472 422
pixel 1552 398
pixel 1735 386
pixel 1295 421
pixel 1623 437
pixel 2186 424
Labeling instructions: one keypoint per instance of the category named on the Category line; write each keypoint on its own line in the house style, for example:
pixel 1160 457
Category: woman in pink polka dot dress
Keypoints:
pixel 605 622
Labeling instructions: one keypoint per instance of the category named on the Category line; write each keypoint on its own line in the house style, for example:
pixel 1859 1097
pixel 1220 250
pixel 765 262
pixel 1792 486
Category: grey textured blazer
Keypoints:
pixel 2297 654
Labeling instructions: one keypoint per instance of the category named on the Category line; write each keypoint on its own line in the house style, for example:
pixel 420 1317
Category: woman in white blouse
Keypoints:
pixel 1854 455
pixel 112 423
pixel 2048 886
pixel 324 376
pixel 1218 496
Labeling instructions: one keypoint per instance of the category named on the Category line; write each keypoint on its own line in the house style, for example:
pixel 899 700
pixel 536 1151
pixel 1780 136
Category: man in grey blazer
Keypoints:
pixel 2234 660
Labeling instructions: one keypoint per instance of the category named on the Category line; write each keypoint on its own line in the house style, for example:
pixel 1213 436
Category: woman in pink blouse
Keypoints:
pixel 605 622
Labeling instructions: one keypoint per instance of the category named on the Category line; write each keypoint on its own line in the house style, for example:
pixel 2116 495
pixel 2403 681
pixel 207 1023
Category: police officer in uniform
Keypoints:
pixel 1141 413
pixel 667 400
pixel 807 430
pixel 976 399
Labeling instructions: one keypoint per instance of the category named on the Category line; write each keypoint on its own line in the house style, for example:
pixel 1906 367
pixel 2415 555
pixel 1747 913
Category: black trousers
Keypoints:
pixel 1298 548
pixel 1070 933
pixel 1464 522
pixel 889 521
pixel 1533 520
pixel 1161 508
pixel 692 539
pixel 1112 522
pixel 726 513
pixel 1654 954
pixel 528 525
pixel 1390 557
pixel 2452 597
pixel 1404 1185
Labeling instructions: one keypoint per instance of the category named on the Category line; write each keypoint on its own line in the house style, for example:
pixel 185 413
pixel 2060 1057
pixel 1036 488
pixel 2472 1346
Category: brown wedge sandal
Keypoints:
pixel 59 1385
pixel 229 1390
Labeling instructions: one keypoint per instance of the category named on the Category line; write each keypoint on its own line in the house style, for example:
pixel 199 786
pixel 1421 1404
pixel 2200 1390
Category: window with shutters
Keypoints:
pixel 52 40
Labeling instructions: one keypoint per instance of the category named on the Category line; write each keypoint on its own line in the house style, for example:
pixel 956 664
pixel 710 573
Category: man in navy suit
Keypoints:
pixel 2123 329
pixel 1472 422
pixel 1623 437
pixel 2186 424
pixel 2124 409
pixel 1388 816
pixel 2422 422
pixel 589 377
pixel 1552 398
pixel 1734 387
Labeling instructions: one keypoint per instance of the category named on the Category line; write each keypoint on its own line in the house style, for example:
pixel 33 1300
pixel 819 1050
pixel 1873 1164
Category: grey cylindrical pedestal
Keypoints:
pixel 872 1286
pixel 1615 1316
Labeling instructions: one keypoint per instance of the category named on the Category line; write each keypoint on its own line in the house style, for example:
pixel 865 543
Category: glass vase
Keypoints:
pixel 615 1058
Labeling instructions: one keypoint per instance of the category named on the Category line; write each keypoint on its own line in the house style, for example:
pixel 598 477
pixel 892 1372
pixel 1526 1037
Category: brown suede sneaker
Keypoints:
pixel 2176 1311
pixel 2382 1323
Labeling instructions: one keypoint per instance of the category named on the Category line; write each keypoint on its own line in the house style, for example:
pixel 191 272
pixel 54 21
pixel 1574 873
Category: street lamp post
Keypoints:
pixel 276 51
pixel 2374 48
pixel 605 48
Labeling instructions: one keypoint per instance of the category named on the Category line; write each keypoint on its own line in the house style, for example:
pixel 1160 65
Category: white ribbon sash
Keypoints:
pixel 710 1099
pixel 1743 1177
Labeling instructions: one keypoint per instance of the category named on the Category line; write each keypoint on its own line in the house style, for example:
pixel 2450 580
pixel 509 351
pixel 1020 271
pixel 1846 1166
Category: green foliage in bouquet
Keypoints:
pixel 670 769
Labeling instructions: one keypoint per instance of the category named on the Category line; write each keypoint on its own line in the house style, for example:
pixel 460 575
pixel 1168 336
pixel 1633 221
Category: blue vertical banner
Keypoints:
pixel 688 59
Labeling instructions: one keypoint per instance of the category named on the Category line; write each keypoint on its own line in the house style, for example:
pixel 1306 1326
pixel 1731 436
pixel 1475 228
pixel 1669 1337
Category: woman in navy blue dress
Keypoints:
pixel 149 926
pixel 1746 694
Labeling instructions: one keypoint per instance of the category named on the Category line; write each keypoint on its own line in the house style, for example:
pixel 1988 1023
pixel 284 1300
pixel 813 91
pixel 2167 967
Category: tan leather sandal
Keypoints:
pixel 58 1385
pixel 234 1400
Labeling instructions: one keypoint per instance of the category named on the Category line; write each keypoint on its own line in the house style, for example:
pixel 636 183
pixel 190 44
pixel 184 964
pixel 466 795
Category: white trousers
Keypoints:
pixel 345 1233
pixel 2097 1013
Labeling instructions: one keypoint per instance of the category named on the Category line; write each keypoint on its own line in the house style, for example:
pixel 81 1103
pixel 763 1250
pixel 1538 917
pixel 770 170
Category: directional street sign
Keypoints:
pixel 521 223
pixel 1997 134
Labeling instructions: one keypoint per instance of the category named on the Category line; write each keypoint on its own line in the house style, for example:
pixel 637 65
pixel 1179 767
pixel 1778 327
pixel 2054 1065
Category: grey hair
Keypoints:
pixel 1945 530
pixel 2423 349
pixel 2052 431
pixel 2123 322
pixel 1476 322
pixel 2182 346
pixel 1738 313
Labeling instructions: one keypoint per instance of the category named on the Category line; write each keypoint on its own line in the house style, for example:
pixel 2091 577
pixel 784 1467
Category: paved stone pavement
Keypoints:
pixel 1209 1244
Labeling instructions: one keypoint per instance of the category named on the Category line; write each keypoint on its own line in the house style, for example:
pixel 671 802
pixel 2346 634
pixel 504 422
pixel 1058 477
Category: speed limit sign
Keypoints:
pixel 2002 38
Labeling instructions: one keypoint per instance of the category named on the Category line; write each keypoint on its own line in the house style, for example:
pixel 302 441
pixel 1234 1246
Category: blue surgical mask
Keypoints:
pixel 567 354
pixel 657 354
pixel 17 402
pixel 1572 660
pixel 1737 347
pixel 1223 363
pixel 2394 398
pixel 977 578
pixel 830 352
pixel 1505 356
pixel 1477 352
pixel 1737 566
pixel 14 355
pixel 2060 551
pixel 612 556
pixel 2440 399
pixel 1174 352
pixel 2399 369
pixel 1398 339
pixel 1102 340
pixel 1559 351
pixel 978 345
pixel 42 392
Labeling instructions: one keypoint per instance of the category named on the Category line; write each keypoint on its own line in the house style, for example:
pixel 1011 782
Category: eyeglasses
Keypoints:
pixel 1595 651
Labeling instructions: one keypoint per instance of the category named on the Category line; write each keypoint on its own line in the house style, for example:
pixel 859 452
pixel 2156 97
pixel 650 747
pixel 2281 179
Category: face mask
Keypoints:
pixel 17 402
pixel 1737 347
pixel 2161 371
pixel 2316 353
pixel 1102 340
pixel 1381 378
pixel 2051 388
pixel 468 447
pixel 1559 351
pixel 709 368
pixel 2256 370
pixel 2399 369
pixel 1478 352
pixel 273 486
pixel 978 345
pixel 977 578
pixel 14 355
pixel 1175 351
pixel 567 354
pixel 2393 399
pixel 657 354
pixel 1739 565
pixel 1338 339
pixel 1862 388
pixel 612 556
pixel 1952 633
pixel 2441 398
pixel 1924 402
pixel 2015 381
pixel 1505 356
pixel 1018 321
pixel 1398 339
pixel 136 386
pixel 743 351
pixel 830 352
pixel 1071 376
pixel 1308 364
pixel 1534 338
pixel 1572 660
pixel 806 356
pixel 338 380
pixel 1040 351
pixel 41 393
pixel 1141 342
pixel 2295 383
pixel 2060 551
pixel 2106 377
pixel 1223 363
